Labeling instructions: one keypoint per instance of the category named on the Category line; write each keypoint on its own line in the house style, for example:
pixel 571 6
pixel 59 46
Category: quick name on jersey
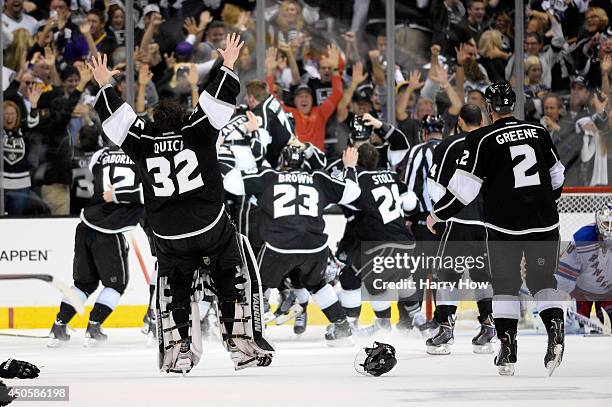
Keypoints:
pixel 162 146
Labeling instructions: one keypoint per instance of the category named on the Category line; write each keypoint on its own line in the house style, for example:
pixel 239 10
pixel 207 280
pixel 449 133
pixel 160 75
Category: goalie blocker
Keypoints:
pixel 240 320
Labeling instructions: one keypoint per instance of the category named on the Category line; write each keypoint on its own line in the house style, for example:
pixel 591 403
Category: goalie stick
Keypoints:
pixel 604 329
pixel 48 278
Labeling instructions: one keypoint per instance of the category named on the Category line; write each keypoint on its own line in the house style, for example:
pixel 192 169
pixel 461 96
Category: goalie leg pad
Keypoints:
pixel 178 323
pixel 241 322
pixel 244 350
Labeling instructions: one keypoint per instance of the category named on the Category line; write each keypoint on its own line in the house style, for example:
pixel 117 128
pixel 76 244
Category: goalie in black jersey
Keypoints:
pixel 464 235
pixel 184 198
pixel 293 201
pixel 100 248
pixel 517 168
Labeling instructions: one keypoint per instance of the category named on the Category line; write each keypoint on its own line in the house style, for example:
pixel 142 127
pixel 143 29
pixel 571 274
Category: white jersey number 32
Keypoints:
pixel 162 171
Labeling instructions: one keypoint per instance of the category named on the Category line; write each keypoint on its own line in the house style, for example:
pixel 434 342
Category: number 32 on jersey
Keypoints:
pixel 179 172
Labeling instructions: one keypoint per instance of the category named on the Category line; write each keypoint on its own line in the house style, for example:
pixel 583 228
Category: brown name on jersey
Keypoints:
pixel 299 178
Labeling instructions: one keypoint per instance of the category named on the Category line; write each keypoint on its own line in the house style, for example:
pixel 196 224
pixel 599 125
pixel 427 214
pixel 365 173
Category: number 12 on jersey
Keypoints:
pixel 122 177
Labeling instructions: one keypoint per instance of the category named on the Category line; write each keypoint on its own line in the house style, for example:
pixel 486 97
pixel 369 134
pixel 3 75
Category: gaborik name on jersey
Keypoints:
pixel 117 159
pixel 516 135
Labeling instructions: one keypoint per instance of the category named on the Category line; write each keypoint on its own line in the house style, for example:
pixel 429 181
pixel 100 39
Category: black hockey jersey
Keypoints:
pixel 273 118
pixel 111 166
pixel 380 208
pixel 314 158
pixel 445 158
pixel 391 150
pixel 82 188
pixel 517 168
pixel 394 148
pixel 336 170
pixel 293 203
pixel 227 159
pixel 248 149
pixel 182 181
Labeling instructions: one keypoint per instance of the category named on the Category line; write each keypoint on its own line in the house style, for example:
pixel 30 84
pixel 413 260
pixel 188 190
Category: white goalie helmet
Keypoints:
pixel 603 219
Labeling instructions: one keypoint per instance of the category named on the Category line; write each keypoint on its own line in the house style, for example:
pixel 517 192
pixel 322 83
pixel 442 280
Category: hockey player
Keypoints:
pixel 466 227
pixel 294 298
pixel 243 147
pixel 271 118
pixel 585 268
pixel 417 164
pixel 362 132
pixel 100 248
pixel 81 189
pixel 517 168
pixel 177 157
pixel 246 139
pixel 11 369
pixel 243 144
pixel 391 143
pixel 293 201
pixel 378 216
